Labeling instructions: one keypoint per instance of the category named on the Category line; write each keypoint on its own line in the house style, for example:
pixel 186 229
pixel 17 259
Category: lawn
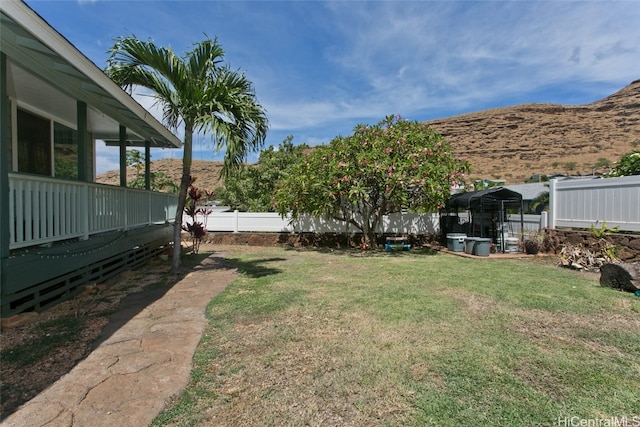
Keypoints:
pixel 306 337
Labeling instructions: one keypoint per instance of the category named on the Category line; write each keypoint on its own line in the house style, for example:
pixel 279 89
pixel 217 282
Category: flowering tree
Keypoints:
pixel 629 164
pixel 393 166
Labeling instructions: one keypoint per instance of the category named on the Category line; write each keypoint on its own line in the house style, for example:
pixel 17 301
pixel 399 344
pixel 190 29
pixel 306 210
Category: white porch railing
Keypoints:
pixel 44 210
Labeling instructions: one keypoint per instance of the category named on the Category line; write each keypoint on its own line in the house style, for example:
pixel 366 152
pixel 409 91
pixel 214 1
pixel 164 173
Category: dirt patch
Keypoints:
pixel 305 240
pixel 580 329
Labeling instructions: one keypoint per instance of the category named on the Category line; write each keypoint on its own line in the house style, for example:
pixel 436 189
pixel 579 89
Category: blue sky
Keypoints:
pixel 320 68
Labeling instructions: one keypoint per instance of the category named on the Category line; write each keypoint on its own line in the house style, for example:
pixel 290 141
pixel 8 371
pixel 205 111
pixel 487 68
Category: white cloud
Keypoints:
pixel 321 67
pixel 460 52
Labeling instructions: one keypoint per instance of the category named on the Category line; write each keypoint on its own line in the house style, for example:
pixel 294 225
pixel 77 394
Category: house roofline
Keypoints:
pixel 22 14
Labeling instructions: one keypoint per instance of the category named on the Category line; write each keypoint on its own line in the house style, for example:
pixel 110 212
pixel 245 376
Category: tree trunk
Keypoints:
pixel 373 234
pixel 625 277
pixel 182 197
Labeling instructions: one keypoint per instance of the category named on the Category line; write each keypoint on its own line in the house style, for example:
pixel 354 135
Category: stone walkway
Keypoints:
pixel 132 375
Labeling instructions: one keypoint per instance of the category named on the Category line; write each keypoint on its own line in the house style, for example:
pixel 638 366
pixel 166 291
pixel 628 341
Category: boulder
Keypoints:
pixel 625 277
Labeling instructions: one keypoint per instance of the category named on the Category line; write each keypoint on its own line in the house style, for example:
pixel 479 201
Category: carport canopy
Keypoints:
pixel 488 199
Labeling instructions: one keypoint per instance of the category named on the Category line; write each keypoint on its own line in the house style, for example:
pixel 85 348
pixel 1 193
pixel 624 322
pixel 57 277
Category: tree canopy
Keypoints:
pixel 158 181
pixel 629 164
pixel 199 92
pixel 393 166
pixel 250 189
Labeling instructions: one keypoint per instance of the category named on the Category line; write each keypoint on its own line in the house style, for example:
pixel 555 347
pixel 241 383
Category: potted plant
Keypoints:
pixel 531 244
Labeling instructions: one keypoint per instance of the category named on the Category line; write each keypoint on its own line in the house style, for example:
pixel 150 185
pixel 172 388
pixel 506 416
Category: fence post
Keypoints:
pixel 551 220
pixel 235 221
pixel 544 220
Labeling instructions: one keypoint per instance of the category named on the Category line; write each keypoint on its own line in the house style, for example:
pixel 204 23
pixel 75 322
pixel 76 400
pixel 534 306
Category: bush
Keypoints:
pixel 628 165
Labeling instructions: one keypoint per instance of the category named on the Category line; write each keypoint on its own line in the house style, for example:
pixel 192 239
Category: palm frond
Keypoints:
pixel 194 89
pixel 204 59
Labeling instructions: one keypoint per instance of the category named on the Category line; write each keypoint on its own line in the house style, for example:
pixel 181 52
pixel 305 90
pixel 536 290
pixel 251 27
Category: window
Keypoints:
pixel 34 144
pixel 35 151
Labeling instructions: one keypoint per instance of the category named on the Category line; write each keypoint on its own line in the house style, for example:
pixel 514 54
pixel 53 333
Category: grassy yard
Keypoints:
pixel 411 339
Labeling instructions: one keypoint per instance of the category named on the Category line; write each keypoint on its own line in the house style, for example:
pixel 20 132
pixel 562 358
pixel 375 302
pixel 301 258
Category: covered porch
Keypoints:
pixel 59 230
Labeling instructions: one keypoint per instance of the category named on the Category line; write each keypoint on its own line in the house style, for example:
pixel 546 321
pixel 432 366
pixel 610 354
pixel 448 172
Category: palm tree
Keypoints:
pixel 198 92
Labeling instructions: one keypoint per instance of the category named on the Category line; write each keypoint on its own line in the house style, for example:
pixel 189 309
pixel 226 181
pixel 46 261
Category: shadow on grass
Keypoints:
pixel 255 268
pixel 356 252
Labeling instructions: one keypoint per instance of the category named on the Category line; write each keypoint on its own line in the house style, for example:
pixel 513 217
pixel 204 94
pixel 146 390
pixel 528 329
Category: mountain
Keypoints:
pixel 207 173
pixel 514 143
pixel 510 143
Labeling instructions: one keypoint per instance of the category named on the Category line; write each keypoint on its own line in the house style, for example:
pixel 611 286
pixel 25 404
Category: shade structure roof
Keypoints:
pixel 488 199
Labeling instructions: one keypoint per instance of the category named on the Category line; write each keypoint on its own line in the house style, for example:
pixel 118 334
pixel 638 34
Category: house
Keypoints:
pixel 59 230
pixel 530 192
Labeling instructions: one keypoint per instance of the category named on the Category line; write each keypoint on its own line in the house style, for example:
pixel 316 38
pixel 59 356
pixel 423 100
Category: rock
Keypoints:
pixel 547 138
pixel 256 240
pixel 635 244
pixel 625 277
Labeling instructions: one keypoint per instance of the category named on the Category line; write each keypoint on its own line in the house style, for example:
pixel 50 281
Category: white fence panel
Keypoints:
pixel 262 222
pixel 411 223
pixel 310 224
pixel 574 203
pixel 222 221
pixel 399 223
pixel 532 224
pixel 583 203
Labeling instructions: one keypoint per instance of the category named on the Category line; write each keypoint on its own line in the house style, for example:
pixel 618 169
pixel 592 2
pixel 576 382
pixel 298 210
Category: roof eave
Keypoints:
pixel 40 29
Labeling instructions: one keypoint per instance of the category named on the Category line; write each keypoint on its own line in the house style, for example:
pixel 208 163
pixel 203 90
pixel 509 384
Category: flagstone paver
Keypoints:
pixel 129 378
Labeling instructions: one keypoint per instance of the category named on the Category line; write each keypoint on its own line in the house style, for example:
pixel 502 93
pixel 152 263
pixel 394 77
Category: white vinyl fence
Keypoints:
pixel 399 223
pixel 578 203
pixel 582 203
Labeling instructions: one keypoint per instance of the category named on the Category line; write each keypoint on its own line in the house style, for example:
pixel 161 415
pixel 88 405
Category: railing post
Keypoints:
pixel 126 208
pixel 85 211
pixel 235 221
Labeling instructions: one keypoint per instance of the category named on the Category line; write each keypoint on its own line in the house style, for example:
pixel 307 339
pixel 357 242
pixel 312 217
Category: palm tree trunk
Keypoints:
pixel 182 197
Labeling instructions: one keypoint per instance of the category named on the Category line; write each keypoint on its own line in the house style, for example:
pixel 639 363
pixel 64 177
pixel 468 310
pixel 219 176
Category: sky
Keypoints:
pixel 319 68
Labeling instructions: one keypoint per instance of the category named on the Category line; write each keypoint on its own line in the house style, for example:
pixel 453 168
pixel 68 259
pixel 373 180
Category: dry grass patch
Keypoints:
pixel 318 368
